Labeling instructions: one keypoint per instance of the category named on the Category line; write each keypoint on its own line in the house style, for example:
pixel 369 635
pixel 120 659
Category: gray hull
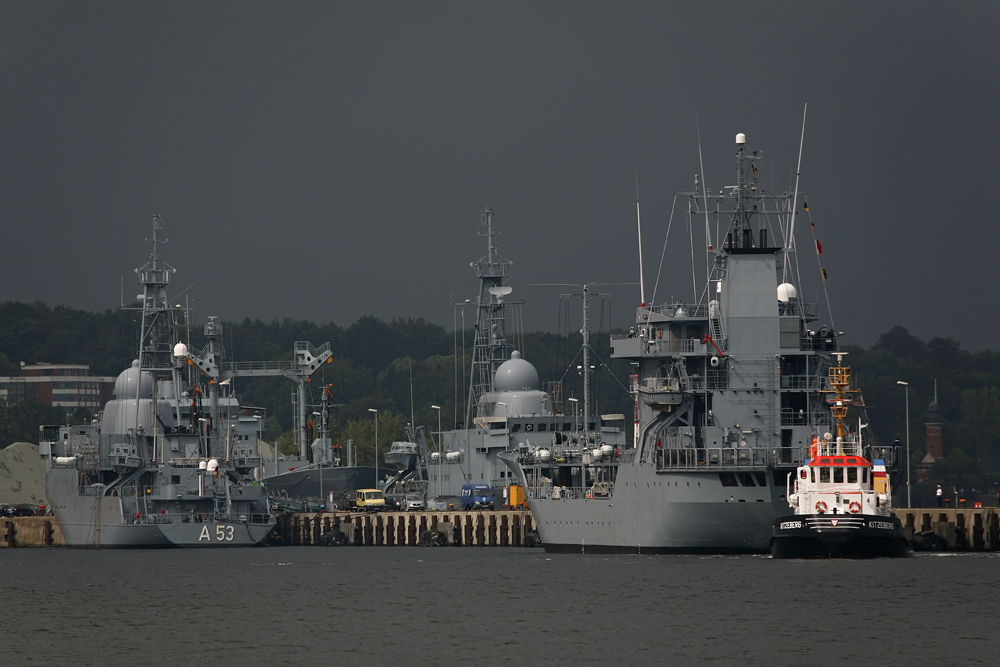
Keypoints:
pixel 98 522
pixel 650 512
pixel 304 483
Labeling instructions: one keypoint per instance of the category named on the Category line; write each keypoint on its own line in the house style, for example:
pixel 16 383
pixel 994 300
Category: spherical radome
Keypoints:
pixel 516 374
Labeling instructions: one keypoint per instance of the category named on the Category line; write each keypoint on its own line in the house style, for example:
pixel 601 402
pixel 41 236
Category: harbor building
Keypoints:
pixel 67 386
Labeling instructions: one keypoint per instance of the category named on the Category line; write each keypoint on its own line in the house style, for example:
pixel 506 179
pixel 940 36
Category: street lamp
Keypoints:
pixel 907 389
pixel 319 464
pixel 376 444
pixel 438 408
pixel 576 422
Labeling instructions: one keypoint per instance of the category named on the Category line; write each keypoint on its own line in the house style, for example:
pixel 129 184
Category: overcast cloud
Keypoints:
pixel 331 160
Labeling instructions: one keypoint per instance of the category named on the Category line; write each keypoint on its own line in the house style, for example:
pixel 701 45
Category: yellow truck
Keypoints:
pixel 369 500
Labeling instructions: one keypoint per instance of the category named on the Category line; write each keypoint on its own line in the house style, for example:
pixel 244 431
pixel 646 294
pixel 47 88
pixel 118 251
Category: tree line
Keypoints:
pixel 376 363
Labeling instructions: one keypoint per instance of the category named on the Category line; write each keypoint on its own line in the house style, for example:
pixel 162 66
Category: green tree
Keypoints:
pixel 362 432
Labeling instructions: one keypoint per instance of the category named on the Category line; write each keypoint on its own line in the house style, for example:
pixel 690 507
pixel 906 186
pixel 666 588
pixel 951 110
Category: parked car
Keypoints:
pixel 477 496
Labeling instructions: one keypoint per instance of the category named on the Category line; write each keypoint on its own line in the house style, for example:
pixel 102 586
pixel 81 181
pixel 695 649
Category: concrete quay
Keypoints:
pixel 500 528
pixel 952 528
pixel 939 529
pixel 31 531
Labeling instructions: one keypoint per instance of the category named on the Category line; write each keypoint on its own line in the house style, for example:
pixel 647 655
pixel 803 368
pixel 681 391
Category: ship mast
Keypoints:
pixel 490 348
pixel 842 399
pixel 154 343
pixel 586 363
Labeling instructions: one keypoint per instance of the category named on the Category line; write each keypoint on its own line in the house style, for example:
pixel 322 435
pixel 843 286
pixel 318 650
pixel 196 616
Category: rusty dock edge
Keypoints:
pixel 503 528
pixel 31 531
pixel 951 529
pixel 939 529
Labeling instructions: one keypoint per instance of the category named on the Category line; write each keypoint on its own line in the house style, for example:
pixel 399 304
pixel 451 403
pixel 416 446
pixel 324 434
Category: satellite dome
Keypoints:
pixel 741 138
pixel 180 350
pixel 515 374
pixel 787 292
pixel 133 383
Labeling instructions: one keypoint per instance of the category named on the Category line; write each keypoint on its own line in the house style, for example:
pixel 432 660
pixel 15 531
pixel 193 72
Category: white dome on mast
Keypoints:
pixel 787 292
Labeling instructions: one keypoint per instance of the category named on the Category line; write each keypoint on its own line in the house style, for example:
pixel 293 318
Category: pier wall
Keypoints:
pixel 952 529
pixel 946 529
pixel 31 531
pixel 443 528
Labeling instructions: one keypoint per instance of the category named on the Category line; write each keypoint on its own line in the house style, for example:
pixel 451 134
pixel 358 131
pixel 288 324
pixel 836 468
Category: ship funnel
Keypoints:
pixel 741 139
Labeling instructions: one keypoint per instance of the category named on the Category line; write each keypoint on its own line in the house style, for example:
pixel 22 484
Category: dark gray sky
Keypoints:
pixel 327 161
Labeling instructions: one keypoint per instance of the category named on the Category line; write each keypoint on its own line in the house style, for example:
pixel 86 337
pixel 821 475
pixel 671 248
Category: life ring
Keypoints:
pixel 821 507
pixel 854 507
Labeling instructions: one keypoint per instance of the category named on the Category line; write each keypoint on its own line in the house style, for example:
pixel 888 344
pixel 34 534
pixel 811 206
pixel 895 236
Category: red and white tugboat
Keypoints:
pixel 841 499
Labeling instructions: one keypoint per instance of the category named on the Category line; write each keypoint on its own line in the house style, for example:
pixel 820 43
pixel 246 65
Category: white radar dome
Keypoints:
pixel 180 350
pixel 213 465
pixel 741 138
pixel 787 292
pixel 515 374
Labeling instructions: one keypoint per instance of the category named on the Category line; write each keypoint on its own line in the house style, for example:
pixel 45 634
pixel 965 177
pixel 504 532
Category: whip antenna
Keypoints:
pixel 638 224
pixel 795 199
pixel 704 195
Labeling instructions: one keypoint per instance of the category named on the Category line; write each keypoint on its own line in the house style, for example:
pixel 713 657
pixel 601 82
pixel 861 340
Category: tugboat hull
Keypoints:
pixel 839 536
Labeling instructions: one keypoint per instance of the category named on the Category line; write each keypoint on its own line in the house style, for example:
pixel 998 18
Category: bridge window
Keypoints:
pixel 852 475
pixel 761 478
pixel 864 475
pixel 746 479
pixel 824 475
pixel 514 428
pixel 838 475
pixel 541 427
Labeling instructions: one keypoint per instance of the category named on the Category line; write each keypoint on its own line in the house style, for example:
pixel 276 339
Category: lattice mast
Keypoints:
pixel 843 397
pixel 491 347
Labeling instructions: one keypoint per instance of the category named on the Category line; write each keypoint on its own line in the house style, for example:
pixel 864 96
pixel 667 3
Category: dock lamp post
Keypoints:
pixel 376 444
pixel 576 421
pixel 906 386
pixel 438 408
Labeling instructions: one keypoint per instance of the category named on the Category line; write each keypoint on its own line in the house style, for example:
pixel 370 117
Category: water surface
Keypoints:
pixel 469 606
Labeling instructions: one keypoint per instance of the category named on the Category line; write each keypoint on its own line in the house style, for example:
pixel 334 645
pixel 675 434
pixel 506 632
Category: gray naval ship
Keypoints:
pixel 170 461
pixel 506 409
pixel 324 478
pixel 729 395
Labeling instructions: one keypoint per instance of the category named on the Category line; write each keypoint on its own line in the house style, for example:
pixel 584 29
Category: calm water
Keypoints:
pixel 467 606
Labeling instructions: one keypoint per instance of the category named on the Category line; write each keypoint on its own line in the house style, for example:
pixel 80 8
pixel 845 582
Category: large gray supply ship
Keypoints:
pixel 506 409
pixel 728 397
pixel 170 460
